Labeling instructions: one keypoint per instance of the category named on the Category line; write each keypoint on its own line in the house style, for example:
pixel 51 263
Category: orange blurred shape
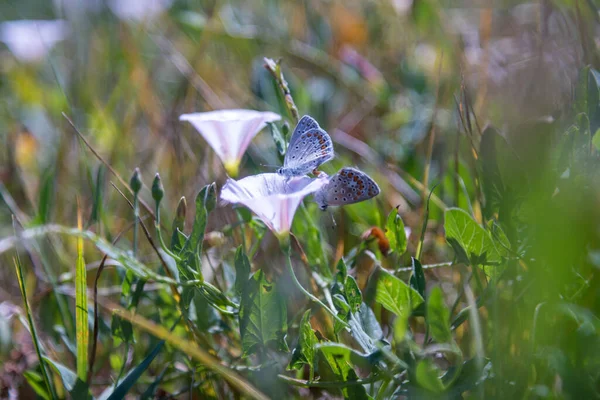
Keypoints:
pixel 348 26
pixel 26 147
pixel 382 241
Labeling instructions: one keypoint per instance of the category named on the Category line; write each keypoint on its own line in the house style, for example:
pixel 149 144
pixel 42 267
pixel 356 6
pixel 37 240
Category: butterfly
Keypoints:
pixel 348 186
pixel 310 146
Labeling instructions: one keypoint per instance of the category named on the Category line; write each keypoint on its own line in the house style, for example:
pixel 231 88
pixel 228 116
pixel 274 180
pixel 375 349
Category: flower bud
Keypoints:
pixel 136 182
pixel 158 191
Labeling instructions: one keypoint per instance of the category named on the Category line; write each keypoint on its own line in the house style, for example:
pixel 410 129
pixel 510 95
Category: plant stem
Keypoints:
pixel 274 67
pixel 32 328
pixel 286 250
pixel 136 215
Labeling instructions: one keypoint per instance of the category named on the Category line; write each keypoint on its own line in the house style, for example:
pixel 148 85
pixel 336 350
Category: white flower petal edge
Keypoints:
pixel 229 132
pixel 138 10
pixel 31 40
pixel 272 197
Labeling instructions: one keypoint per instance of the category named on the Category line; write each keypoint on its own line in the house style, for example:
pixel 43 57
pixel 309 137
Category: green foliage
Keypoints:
pixel 395 232
pixel 498 301
pixel 438 317
pixel 263 316
pixel 127 383
pixel 304 352
pixel 395 295
pixel 471 243
pixel 428 376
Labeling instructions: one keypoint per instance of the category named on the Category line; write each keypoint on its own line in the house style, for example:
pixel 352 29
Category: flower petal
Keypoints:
pixel 229 132
pixel 31 40
pixel 272 197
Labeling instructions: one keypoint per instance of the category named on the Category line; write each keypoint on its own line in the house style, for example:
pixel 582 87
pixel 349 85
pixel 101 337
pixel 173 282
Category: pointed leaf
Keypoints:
pixel 395 295
pixel 476 242
pixel 277 138
pixel 395 232
pixel 438 317
pixel 242 270
pixel 68 377
pixel 263 315
pixel 205 202
pixel 304 353
pixel 81 307
pixel 417 280
pixel 353 294
pixel 127 383
pixel 428 376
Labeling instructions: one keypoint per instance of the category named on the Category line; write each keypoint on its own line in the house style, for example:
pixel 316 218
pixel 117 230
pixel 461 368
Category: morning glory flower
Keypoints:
pixel 273 197
pixel 138 10
pixel 229 132
pixel 31 40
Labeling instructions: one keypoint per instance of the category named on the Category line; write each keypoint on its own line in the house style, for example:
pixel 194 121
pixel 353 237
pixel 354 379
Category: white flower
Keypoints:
pixel 138 10
pixel 272 197
pixel 31 40
pixel 229 132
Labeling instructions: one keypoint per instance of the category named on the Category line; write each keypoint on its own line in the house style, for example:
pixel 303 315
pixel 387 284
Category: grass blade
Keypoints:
pixel 81 306
pixel 189 348
pixel 32 329
pixel 135 374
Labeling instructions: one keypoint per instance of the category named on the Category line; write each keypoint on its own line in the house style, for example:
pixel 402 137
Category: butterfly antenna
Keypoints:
pixel 270 165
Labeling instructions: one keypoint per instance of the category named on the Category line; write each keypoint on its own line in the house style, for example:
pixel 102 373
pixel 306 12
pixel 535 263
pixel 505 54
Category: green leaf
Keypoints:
pixel 342 270
pixel 36 381
pixel 277 138
pixel 343 308
pixel 304 353
pixel 395 232
pixel 417 280
pixel 438 317
pixel 344 355
pixel 428 376
pixel 98 192
pixel 46 196
pixel 67 376
pixel 596 140
pixel 263 315
pixel 476 242
pixel 339 359
pixel 365 328
pixel 400 329
pixel 132 377
pixel 32 328
pixel 178 239
pixel 81 314
pixel 395 295
pixel 242 270
pixel 353 294
pixel 121 329
pixel 587 93
pixel 206 201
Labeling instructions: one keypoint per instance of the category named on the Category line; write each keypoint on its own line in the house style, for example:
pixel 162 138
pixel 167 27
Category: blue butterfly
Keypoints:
pixel 348 186
pixel 310 146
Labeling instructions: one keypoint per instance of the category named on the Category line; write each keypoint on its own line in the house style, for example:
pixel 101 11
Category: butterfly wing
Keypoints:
pixel 298 140
pixel 349 186
pixel 307 122
pixel 310 146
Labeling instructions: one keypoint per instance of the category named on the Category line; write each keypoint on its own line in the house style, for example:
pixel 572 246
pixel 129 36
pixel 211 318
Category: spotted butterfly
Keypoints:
pixel 348 186
pixel 310 146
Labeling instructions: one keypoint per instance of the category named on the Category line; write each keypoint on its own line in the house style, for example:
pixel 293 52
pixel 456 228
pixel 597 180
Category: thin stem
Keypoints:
pixel 163 245
pixel 136 215
pixel 286 250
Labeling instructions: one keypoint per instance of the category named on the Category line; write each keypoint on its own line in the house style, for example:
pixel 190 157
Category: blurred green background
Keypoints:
pixel 493 104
